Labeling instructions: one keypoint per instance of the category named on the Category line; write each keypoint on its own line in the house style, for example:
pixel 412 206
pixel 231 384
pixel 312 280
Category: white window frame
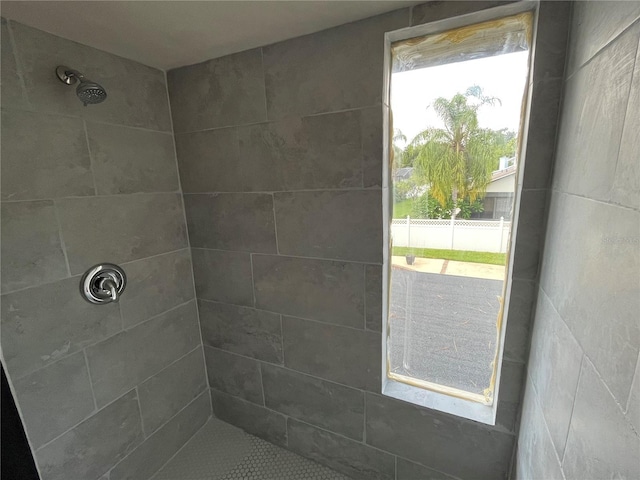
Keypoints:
pixel 413 394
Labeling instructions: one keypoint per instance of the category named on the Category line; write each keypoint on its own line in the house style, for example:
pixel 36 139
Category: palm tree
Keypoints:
pixel 457 161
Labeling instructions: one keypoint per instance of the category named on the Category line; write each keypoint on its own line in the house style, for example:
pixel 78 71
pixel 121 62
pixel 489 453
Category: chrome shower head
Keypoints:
pixel 88 92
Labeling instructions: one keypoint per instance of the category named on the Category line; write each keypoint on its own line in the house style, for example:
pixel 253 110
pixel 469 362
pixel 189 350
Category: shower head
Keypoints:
pixel 88 92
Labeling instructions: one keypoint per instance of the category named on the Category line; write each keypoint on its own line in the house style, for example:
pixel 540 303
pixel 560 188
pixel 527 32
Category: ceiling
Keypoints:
pixel 169 34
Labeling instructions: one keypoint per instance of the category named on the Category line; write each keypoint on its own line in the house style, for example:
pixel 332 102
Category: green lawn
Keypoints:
pixel 402 209
pixel 459 255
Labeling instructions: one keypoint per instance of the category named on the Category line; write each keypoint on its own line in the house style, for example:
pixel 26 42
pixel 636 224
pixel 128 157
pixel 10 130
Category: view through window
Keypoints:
pixel 456 102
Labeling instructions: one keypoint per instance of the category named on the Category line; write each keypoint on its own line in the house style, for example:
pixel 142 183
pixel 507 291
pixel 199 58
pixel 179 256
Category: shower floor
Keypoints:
pixel 220 451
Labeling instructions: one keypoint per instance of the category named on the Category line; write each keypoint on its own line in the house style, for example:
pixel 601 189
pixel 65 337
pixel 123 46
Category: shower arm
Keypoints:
pixel 68 75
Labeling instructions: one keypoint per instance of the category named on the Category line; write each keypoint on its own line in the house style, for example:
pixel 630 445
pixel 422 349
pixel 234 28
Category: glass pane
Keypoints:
pixel 457 100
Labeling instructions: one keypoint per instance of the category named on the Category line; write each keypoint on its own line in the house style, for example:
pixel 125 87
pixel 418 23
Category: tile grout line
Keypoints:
pixel 19 68
pixel 144 430
pixel 364 296
pixel 275 222
pixel 93 393
pixel 573 406
pixel 264 84
pixel 91 162
pixel 253 282
pixel 63 246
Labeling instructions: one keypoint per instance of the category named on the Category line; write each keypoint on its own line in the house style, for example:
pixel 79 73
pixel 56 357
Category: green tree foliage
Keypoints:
pixel 457 161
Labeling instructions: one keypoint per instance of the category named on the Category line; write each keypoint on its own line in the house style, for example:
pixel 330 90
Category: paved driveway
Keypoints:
pixel 443 328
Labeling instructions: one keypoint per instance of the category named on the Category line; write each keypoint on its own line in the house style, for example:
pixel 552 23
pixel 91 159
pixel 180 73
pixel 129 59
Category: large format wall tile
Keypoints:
pixel 208 162
pixel 151 455
pixel 633 404
pixel 373 297
pixel 343 355
pixel 593 116
pixel 223 276
pixel 94 446
pixel 233 374
pixel 529 234
pixel 601 442
pixel 327 405
pixel 44 156
pixel 250 417
pixel 407 470
pixel 590 248
pixel 129 160
pixel 433 11
pixel 156 284
pixel 372 153
pixel 301 287
pixel 243 330
pixel 43 324
pixel 322 151
pixel 137 94
pixel 217 93
pixel 359 461
pixel 336 69
pixel 435 439
pixel 518 328
pixel 165 394
pixel 125 360
pixel 231 221
pixel 537 456
pixel 31 247
pixel 626 185
pixel 120 228
pixel 12 92
pixel 554 369
pixel 55 398
pixel 343 225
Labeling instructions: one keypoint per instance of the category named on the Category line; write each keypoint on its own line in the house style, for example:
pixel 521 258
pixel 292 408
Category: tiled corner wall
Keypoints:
pixel 581 413
pixel 280 156
pixel 120 385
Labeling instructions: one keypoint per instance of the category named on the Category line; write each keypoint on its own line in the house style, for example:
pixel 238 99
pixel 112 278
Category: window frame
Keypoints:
pixel 437 400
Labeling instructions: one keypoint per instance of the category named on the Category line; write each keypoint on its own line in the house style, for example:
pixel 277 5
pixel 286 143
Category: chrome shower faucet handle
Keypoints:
pixel 103 283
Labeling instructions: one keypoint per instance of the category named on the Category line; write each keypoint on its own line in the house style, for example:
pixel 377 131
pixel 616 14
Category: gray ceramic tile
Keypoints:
pixel 335 69
pixel 147 459
pixel 373 297
pixel 323 151
pixel 511 386
pixel 203 156
pixel 606 286
pixel 156 284
pixel 327 405
pixel 633 409
pixel 128 160
pixel 252 418
pixel 94 446
pixel 445 443
pixel 432 11
pixel 343 225
pixel 601 442
pixel 536 455
pixel 595 24
pixel 120 228
pixel 168 392
pixel 43 324
pixel 217 93
pixel 371 134
pixel 12 91
pixel 123 361
pixel 297 286
pixel 137 94
pixel 223 276
pixel 518 328
pixel 54 399
pixel 540 132
pixel 44 156
pixel 529 234
pixel 344 355
pixel 626 185
pixel 359 461
pixel 246 331
pixel 407 470
pixel 554 367
pixel 233 374
pixel 552 31
pixel 231 221
pixel 591 127
pixel 31 248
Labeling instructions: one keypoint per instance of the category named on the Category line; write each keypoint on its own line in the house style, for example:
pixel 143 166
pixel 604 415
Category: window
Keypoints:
pixel 456 91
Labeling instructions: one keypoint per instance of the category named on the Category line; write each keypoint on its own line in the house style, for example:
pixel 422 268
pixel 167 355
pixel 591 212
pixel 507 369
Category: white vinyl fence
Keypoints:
pixel 475 235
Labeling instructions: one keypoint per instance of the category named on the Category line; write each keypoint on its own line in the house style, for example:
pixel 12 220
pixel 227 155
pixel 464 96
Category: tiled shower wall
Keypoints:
pixel 581 414
pixel 280 156
pixel 96 385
